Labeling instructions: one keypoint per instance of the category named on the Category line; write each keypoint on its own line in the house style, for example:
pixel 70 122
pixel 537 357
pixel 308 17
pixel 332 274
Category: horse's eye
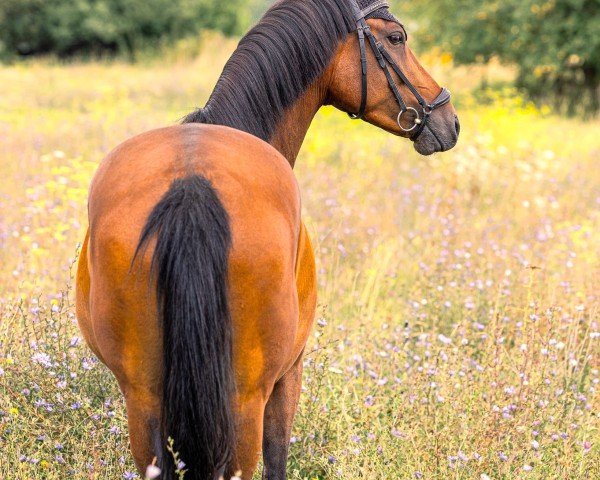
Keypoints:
pixel 396 38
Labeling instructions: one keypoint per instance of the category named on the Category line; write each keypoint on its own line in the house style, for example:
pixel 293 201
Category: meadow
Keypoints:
pixel 458 331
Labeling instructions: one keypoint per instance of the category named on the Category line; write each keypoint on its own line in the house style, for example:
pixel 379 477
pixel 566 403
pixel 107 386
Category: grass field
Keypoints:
pixel 459 302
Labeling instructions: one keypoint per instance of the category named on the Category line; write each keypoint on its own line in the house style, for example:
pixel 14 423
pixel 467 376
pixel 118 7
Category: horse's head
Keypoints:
pixel 377 77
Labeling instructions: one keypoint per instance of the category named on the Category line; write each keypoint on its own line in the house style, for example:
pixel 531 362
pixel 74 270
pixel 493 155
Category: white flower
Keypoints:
pixel 43 359
pixel 152 472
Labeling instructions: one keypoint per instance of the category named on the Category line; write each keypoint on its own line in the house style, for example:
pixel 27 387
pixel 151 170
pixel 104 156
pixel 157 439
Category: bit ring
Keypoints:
pixel 417 120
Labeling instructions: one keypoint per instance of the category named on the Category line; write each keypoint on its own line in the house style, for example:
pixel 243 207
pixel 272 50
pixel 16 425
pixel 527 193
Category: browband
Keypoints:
pixel 371 8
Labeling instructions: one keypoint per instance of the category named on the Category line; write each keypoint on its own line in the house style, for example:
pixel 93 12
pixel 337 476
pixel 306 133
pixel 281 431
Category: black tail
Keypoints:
pixel 193 240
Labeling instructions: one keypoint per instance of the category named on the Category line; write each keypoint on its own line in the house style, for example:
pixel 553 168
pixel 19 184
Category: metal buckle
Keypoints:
pixel 417 120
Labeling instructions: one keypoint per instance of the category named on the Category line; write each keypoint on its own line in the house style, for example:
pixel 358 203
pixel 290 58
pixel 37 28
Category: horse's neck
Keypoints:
pixel 292 127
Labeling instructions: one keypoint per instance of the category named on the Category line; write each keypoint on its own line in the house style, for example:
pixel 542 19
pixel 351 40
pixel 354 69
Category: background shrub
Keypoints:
pixel 67 27
pixel 554 43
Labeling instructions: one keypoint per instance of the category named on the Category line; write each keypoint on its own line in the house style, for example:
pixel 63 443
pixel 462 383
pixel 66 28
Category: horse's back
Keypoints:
pixel 254 182
pixel 241 167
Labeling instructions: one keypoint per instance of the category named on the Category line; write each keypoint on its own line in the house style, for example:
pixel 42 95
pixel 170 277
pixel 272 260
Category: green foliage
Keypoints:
pixel 66 27
pixel 256 8
pixel 554 43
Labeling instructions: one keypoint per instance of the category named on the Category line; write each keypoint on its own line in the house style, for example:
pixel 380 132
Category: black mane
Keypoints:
pixel 275 63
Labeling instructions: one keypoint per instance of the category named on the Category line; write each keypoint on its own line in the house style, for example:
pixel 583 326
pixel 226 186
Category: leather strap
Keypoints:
pixel 442 99
pixel 403 77
pixel 371 8
pixel 362 27
pixel 376 47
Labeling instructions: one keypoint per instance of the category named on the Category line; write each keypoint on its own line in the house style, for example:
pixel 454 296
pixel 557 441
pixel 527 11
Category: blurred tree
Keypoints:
pixel 256 8
pixel 554 43
pixel 65 27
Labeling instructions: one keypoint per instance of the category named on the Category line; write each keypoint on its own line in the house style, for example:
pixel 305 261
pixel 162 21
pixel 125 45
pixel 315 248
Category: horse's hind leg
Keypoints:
pixel 143 419
pixel 249 414
pixel 143 407
pixel 283 402
pixel 279 416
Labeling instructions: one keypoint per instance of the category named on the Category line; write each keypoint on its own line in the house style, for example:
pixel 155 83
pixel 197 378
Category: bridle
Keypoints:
pixel 384 58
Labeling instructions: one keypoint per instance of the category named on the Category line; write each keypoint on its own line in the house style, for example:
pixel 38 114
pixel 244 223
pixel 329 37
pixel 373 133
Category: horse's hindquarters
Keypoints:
pixel 117 301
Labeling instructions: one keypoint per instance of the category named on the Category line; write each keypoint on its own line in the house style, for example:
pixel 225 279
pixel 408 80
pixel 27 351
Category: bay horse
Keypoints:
pixel 196 283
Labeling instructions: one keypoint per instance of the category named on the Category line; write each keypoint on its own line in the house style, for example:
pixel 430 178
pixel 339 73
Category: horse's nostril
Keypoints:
pixel 456 125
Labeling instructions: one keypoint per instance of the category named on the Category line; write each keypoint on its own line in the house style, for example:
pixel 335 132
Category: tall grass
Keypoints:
pixel 458 330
